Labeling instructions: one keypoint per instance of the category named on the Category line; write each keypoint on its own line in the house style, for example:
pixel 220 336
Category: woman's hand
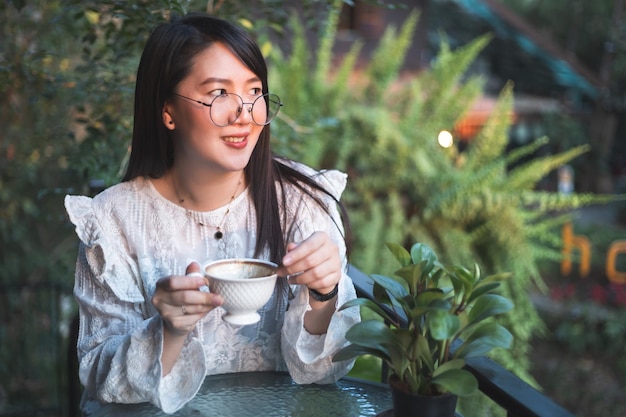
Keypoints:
pixel 314 262
pixel 180 302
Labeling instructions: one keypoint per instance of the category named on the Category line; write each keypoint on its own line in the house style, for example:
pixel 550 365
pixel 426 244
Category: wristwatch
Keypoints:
pixel 324 297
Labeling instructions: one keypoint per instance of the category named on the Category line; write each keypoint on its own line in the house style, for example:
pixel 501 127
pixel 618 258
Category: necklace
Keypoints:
pixel 218 232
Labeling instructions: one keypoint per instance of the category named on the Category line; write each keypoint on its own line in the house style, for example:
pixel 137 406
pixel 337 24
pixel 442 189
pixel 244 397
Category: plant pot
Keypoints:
pixel 416 405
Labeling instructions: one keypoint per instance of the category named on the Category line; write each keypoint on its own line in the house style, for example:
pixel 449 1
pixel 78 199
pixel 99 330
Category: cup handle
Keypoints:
pixel 203 288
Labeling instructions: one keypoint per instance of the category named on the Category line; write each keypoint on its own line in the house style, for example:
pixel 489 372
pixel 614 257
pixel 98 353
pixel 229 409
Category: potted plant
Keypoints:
pixel 427 308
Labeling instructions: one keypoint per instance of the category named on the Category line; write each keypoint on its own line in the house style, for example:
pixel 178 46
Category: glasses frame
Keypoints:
pixel 243 103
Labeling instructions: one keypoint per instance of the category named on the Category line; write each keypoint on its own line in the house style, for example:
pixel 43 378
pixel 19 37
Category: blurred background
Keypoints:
pixel 493 130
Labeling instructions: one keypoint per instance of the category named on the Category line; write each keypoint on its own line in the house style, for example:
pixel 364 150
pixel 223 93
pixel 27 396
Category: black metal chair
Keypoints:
pixel 74 389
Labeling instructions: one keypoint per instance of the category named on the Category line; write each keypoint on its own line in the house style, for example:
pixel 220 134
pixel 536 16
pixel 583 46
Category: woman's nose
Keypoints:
pixel 245 113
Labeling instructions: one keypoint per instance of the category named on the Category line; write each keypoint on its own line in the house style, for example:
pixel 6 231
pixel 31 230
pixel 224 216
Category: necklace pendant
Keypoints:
pixel 218 235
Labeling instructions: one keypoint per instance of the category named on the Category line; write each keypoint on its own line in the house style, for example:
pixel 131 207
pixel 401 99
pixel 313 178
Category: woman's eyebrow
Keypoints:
pixel 217 80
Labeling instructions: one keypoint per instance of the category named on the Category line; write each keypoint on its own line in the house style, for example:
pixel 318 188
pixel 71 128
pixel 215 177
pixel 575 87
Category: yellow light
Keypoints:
pixel 445 139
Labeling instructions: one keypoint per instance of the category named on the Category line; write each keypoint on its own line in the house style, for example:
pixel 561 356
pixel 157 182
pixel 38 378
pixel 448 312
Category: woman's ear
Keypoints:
pixel 168 120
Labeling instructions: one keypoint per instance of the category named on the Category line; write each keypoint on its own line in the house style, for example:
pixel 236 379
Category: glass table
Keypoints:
pixel 273 394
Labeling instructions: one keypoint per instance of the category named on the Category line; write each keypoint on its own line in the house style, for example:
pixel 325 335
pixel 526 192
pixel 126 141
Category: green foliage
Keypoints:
pixel 442 305
pixel 66 87
pixel 482 204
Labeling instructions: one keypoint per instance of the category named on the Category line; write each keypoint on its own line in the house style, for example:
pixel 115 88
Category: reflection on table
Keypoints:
pixel 273 394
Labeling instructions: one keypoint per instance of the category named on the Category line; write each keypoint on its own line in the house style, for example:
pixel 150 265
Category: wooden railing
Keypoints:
pixel 517 397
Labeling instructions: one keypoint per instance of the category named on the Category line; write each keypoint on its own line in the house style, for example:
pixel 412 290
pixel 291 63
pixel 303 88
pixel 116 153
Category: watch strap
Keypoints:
pixel 324 297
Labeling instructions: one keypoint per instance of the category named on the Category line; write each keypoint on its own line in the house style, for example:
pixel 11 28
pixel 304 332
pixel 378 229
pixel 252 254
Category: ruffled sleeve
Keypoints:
pixel 121 334
pixel 309 357
pixel 106 261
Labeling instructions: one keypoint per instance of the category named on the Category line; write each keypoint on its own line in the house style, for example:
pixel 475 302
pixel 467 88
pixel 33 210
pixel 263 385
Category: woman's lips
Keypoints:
pixel 237 142
pixel 234 139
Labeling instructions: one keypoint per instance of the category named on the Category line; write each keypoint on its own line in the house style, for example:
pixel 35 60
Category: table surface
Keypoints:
pixel 273 394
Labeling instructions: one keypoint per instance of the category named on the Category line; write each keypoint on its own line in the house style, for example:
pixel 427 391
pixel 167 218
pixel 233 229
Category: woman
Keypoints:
pixel 201 185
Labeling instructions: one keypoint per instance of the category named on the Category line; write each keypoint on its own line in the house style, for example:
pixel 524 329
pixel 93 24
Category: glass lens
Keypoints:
pixel 226 109
pixel 265 109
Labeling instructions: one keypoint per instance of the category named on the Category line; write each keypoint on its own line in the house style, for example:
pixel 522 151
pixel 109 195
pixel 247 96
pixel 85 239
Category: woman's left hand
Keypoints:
pixel 314 262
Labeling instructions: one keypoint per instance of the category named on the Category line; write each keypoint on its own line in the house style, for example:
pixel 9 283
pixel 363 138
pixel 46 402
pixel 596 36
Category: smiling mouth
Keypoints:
pixel 233 139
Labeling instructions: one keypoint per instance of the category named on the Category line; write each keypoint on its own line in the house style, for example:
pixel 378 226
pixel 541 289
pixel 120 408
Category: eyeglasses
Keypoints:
pixel 225 109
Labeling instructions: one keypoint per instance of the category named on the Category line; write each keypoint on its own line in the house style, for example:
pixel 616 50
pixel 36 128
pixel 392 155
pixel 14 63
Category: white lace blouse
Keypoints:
pixel 130 237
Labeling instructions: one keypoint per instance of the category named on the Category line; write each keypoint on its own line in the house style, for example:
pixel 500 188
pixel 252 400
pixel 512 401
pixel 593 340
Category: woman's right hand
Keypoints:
pixel 180 302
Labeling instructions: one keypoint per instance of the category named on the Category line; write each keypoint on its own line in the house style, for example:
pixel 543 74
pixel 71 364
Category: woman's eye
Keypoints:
pixel 256 91
pixel 218 92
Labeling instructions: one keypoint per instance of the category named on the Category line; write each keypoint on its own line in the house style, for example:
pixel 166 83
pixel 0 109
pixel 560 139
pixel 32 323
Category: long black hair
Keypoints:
pixel 165 62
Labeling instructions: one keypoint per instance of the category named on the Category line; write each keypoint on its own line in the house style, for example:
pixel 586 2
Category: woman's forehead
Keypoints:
pixel 217 64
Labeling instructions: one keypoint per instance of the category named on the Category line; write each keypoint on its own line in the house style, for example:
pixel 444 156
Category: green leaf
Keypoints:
pixel 411 275
pixel 352 351
pixel 456 381
pixel 399 353
pixel 483 340
pixel 457 285
pixel 482 289
pixel 401 254
pixel 409 301
pixel 422 351
pixel 405 339
pixel 422 252
pixel 429 300
pixel 453 364
pixel 393 287
pixel 368 304
pixel 488 305
pixel 476 274
pixel 381 295
pixel 372 334
pixel 496 277
pixel 465 277
pixel 437 275
pixel 442 325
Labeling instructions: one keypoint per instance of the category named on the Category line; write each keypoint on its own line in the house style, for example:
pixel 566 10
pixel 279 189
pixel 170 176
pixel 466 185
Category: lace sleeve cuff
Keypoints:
pixel 309 357
pixel 183 382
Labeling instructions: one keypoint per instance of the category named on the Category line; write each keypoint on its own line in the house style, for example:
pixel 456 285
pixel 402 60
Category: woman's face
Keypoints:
pixel 197 139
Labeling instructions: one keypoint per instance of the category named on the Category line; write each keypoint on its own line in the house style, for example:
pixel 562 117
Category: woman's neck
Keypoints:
pixel 199 191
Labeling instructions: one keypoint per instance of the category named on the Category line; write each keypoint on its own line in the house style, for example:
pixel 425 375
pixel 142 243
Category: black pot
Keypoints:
pixel 415 405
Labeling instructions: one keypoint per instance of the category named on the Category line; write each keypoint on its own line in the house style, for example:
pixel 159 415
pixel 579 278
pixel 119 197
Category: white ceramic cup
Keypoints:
pixel 245 284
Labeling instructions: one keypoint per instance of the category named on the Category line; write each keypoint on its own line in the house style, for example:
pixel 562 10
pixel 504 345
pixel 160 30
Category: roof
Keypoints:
pixel 511 29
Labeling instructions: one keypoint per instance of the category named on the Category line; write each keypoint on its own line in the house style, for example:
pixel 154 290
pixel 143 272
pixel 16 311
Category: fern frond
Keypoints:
pixel 340 98
pixel 547 201
pixel 450 66
pixel 492 139
pixel 525 150
pixel 468 185
pixel 324 56
pixel 388 58
pixel 526 176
